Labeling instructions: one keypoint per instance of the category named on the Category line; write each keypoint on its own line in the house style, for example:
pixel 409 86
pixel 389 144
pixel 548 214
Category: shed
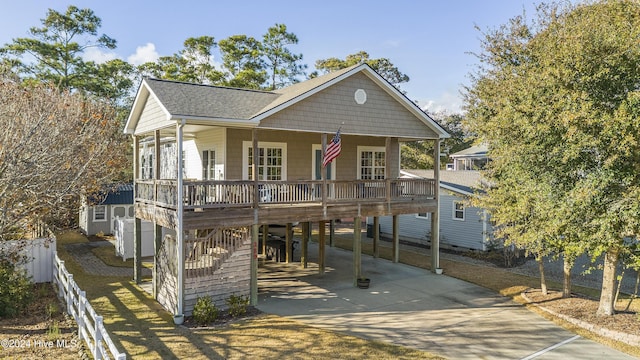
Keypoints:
pixel 99 212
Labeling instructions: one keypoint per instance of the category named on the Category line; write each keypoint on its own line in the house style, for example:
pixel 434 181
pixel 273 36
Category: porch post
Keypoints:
pixel 157 230
pixel 357 250
pixel 321 241
pixel 435 218
pixel 254 265
pixel 156 155
pixel 137 251
pixel 332 232
pixel 180 227
pixel 304 246
pixel 387 172
pixel 323 176
pixel 376 236
pixel 265 237
pixel 396 240
pixel 137 263
pixel 288 243
pixel 157 243
pixel 254 170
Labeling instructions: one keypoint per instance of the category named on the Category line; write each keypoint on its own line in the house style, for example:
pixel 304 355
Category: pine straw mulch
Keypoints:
pixel 623 326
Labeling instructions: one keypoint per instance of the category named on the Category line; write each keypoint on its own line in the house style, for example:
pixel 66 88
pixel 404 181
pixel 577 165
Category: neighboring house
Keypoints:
pixel 98 214
pixel 462 226
pixel 214 164
pixel 473 158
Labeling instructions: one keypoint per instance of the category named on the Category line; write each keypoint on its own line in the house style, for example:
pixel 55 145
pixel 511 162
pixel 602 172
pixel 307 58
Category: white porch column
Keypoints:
pixel 179 316
pixel 435 218
pixel 137 234
pixel 253 286
pixel 357 250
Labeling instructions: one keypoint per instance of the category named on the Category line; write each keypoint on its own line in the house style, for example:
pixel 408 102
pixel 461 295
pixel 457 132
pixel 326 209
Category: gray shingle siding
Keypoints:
pixel 335 107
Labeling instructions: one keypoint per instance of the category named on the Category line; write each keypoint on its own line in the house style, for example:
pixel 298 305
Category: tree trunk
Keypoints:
pixel 567 265
pixel 543 281
pixel 606 305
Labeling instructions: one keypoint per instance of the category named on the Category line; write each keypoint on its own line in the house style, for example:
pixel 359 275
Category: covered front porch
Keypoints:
pixel 244 203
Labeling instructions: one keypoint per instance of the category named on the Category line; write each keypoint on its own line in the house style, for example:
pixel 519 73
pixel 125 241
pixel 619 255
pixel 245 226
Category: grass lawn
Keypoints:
pixel 145 330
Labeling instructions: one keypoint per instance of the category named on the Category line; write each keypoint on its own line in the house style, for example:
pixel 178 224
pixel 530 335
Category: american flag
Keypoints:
pixel 333 149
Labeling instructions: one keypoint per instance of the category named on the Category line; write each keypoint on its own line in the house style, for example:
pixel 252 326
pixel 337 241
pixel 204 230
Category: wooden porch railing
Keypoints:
pixel 219 194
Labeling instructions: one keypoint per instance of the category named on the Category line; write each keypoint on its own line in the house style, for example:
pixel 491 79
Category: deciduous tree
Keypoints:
pixel 53 146
pixel 558 98
pixel 383 66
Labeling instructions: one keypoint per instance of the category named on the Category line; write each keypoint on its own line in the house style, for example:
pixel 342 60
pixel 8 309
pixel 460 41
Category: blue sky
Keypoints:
pixel 428 40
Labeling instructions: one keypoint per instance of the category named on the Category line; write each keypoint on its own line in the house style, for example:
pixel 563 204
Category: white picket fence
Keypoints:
pixel 90 326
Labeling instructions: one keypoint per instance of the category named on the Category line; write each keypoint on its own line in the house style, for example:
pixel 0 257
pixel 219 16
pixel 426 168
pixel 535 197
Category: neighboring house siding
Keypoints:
pixel 152 118
pixel 335 106
pixel 466 234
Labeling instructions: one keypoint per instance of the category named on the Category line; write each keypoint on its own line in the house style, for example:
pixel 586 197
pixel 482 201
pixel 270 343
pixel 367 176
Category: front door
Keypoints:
pixel 317 165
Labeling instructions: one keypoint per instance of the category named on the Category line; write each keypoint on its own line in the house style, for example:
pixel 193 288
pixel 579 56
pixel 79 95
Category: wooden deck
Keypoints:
pixel 209 204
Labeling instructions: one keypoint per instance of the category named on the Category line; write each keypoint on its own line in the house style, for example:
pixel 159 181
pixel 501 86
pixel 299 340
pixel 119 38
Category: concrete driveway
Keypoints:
pixel 412 307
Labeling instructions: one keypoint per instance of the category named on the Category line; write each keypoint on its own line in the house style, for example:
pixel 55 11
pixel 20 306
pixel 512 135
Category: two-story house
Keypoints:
pixel 213 164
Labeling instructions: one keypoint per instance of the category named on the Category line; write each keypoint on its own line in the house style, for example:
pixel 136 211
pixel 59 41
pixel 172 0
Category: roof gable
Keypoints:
pixel 334 106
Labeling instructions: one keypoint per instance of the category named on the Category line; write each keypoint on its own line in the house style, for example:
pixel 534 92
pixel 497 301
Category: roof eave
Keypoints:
pixel 213 121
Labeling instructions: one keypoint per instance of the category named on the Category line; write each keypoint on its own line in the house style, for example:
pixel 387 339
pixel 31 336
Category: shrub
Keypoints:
pixel 205 311
pixel 237 305
pixel 16 290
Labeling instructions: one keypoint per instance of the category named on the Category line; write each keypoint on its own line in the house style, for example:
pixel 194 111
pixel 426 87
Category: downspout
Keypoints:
pixel 179 316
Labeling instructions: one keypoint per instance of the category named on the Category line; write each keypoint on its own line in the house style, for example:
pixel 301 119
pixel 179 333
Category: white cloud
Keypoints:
pixel 143 54
pixel 98 56
pixel 446 103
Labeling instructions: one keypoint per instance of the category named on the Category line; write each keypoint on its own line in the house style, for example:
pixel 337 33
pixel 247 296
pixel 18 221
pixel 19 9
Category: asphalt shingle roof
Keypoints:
pixel 207 101
pixel 467 180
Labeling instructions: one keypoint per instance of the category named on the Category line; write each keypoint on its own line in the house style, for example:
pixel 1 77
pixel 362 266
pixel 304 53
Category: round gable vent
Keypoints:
pixel 360 96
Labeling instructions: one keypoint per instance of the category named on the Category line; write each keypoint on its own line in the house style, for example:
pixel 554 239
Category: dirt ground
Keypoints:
pixel 42 332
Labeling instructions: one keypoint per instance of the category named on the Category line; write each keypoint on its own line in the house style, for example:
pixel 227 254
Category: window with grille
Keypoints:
pixel 372 163
pixel 270 162
pixel 458 210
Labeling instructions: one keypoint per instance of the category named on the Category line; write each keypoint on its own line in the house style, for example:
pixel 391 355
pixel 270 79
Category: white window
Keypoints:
pixel 458 210
pixel 209 165
pixel 100 213
pixel 271 161
pixel 422 215
pixel 371 163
